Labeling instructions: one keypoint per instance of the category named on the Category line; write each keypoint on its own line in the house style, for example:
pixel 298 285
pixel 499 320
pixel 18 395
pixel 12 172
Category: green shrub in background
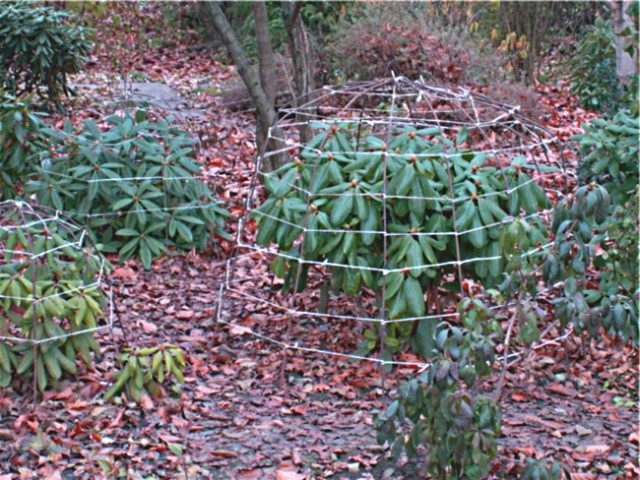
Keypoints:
pixel 609 151
pixel 134 187
pixel 24 144
pixel 64 300
pixel 458 428
pixel 39 48
pixel 599 226
pixel 593 68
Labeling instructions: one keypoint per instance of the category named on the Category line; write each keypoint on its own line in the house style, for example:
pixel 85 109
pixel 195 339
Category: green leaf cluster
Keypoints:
pixel 145 370
pixel 609 306
pixel 540 470
pixel 39 48
pixel 133 186
pixel 438 407
pixel 63 300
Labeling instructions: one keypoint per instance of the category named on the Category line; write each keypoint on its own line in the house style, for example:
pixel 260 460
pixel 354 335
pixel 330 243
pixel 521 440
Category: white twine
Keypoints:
pixel 296 346
pixel 509 219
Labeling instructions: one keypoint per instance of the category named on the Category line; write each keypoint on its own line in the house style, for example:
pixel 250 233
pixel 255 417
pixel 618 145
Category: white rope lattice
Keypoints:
pixel 383 109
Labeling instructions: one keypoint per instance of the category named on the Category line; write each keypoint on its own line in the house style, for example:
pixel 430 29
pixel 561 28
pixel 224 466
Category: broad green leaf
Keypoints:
pixel 414 297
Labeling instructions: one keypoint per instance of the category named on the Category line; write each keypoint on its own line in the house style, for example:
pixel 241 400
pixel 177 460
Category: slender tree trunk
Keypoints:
pixel 267 69
pixel 303 64
pixel 265 52
pixel 626 65
pixel 265 111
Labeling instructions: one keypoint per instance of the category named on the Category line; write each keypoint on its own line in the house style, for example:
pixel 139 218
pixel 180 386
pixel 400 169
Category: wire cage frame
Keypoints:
pixel 41 245
pixel 384 110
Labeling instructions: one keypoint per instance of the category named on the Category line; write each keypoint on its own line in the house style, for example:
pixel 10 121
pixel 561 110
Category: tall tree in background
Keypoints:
pixel 267 70
pixel 529 21
pixel 302 58
pixel 260 85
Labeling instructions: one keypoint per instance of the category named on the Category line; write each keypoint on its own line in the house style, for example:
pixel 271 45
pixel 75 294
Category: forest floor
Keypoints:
pixel 248 411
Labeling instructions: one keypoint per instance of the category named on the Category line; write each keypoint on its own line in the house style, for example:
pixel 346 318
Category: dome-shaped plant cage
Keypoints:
pixel 54 295
pixel 385 202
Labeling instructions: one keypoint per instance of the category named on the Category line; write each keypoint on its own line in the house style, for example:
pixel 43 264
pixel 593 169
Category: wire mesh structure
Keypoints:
pixel 54 291
pixel 363 171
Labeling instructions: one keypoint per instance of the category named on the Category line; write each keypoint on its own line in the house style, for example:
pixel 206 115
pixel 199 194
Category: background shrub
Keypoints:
pixel 39 48
pixel 408 39
pixel 598 227
pixel 593 68
pixel 609 154
pixel 134 186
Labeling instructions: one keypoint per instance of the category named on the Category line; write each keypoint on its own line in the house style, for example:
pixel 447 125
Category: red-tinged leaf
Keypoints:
pixel 253 474
pixel 123 272
pixel 54 476
pixel 562 390
pixel 526 450
pixel 146 402
pixel 553 425
pixel 583 476
pixel 65 394
pixel 519 396
pixel 299 409
pixel 289 475
pixel 184 315
pixel 590 452
pixel 78 405
pixel 148 327
pixel 223 454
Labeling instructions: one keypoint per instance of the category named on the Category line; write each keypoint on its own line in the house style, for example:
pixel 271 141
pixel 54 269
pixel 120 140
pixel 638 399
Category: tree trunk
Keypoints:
pixel 265 111
pixel 265 52
pixel 303 65
pixel 267 69
pixel 626 65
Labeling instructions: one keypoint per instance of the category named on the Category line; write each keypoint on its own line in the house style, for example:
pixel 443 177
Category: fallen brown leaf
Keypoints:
pixel 184 315
pixel 223 453
pixel 253 474
pixel 519 396
pixel 289 475
pixel 562 390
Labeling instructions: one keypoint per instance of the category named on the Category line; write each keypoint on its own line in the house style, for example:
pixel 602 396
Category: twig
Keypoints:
pixel 505 353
